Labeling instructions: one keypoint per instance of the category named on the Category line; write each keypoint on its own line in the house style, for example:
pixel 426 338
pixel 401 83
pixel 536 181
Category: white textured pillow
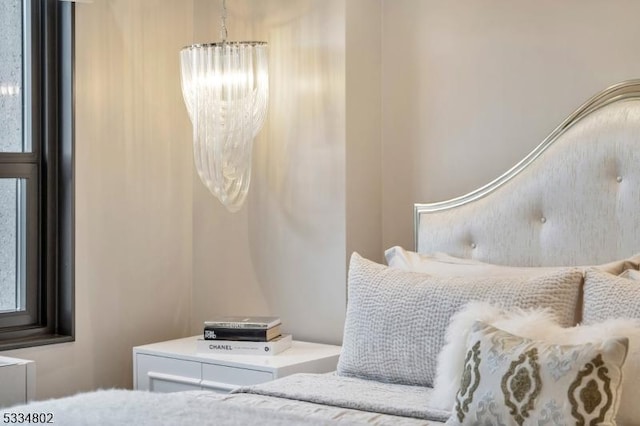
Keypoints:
pixel 608 296
pixel 508 379
pixel 631 274
pixel 536 324
pixel 444 265
pixel 396 320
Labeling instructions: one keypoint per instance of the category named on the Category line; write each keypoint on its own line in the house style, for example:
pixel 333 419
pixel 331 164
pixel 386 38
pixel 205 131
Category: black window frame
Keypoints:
pixel 49 316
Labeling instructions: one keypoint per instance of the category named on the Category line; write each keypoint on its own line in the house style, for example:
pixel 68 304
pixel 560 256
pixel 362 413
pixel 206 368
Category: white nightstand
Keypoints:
pixel 174 366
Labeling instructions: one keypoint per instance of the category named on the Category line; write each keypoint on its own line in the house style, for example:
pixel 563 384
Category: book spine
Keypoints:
pixel 244 348
pixel 215 333
pixel 242 325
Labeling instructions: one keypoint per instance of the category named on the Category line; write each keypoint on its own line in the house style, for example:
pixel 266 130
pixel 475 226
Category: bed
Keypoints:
pixel 549 244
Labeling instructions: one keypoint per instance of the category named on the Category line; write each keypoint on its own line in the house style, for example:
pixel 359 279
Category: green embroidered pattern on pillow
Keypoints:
pixel 590 394
pixel 470 381
pixel 525 382
pixel 521 385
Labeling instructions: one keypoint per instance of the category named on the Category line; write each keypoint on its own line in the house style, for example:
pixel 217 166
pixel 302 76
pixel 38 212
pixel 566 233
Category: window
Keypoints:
pixel 36 173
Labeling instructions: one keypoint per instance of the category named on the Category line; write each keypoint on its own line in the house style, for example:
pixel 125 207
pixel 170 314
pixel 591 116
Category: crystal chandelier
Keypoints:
pixel 226 90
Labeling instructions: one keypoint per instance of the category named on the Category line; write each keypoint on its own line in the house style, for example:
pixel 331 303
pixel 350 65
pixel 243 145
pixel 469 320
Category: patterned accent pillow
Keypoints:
pixel 510 380
pixel 538 324
pixel 396 320
pixel 609 296
pixel 535 324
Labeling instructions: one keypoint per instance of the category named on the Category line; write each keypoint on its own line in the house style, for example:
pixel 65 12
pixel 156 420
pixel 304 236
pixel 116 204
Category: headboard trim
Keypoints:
pixel 625 90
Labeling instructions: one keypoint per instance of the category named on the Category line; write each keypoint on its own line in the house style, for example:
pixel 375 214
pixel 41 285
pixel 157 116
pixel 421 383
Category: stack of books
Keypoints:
pixel 244 336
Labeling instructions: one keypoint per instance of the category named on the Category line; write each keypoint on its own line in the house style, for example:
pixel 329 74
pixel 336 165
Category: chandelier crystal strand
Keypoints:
pixel 223 22
pixel 226 91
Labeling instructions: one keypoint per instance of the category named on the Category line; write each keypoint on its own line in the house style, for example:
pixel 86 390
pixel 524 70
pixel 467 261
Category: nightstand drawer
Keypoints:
pixel 160 374
pixel 223 378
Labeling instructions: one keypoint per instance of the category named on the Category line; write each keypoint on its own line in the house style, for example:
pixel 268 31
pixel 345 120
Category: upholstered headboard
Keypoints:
pixel 575 199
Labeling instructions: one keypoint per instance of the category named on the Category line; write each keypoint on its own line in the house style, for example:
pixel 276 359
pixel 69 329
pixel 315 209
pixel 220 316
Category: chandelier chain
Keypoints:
pixel 223 29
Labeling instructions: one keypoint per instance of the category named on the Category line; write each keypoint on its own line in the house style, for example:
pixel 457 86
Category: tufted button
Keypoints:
pixel 619 179
pixel 473 245
pixel 543 220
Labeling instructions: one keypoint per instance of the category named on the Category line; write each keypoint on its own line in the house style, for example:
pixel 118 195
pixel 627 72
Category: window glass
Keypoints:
pixel 11 76
pixel 12 247
pixel 36 179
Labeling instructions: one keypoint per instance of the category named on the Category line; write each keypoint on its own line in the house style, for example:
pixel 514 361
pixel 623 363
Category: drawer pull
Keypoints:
pixel 173 378
pixel 219 386
pixel 206 384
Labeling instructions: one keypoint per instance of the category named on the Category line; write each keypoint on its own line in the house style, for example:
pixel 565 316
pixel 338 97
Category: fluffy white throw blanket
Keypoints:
pixel 122 407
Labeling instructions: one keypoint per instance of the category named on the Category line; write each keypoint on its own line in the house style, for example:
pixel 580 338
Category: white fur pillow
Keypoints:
pixel 536 325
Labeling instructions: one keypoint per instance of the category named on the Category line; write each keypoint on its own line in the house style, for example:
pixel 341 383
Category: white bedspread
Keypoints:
pixel 300 399
pixel 353 393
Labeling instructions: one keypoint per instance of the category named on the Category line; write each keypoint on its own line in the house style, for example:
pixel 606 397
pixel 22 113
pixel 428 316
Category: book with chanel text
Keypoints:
pixel 238 347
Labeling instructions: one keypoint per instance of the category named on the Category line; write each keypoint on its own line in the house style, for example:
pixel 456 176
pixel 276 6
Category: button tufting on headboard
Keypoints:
pixel 569 175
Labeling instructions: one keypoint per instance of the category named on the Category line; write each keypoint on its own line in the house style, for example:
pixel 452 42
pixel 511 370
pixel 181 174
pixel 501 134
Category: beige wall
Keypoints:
pixel 363 35
pixel 284 252
pixel 133 194
pixel 469 88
